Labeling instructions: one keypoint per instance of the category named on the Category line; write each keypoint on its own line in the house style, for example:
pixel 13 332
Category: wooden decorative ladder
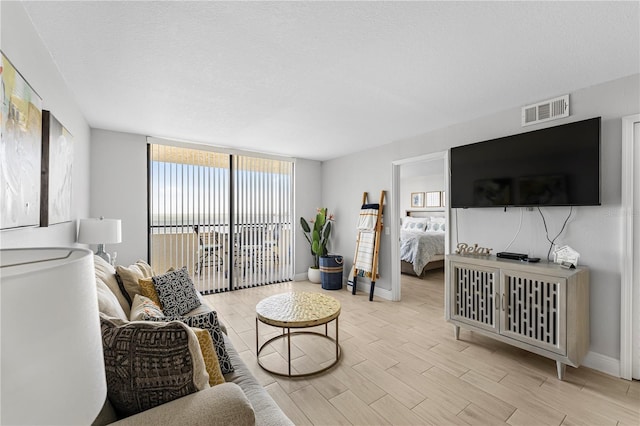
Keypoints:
pixel 365 251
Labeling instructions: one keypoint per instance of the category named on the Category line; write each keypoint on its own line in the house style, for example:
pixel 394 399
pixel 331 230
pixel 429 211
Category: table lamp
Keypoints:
pixel 52 366
pixel 100 231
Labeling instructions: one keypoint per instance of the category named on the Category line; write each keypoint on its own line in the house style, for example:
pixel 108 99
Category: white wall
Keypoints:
pixel 411 184
pixel 24 48
pixel 119 190
pixel 307 199
pixel 595 232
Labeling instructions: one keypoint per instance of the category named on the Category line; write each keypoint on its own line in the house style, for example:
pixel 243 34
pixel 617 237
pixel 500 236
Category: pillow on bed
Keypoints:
pixel 436 224
pixel 415 224
pixel 435 227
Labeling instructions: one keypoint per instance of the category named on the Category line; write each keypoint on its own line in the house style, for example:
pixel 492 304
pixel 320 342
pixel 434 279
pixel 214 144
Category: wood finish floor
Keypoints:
pixel 402 366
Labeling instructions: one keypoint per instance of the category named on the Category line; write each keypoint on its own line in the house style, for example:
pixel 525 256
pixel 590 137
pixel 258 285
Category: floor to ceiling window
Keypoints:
pixel 226 217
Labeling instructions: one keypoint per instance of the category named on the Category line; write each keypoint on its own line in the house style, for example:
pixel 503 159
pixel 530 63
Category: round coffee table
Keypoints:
pixel 297 310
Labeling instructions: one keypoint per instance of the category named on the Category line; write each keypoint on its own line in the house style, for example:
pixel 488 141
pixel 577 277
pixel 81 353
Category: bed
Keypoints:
pixel 422 242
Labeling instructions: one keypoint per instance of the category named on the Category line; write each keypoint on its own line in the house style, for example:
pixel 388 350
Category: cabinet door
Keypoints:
pixel 533 309
pixel 474 290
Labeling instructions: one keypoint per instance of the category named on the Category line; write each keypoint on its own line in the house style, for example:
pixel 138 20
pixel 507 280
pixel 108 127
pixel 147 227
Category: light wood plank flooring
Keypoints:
pixel 402 366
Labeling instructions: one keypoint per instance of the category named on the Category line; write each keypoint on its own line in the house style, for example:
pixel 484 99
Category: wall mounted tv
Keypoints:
pixel 556 166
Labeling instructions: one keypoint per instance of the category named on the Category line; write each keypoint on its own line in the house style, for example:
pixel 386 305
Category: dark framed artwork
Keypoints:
pixel 57 168
pixel 20 145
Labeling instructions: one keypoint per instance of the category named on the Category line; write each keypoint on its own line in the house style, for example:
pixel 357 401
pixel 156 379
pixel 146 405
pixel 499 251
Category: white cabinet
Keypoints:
pixel 540 307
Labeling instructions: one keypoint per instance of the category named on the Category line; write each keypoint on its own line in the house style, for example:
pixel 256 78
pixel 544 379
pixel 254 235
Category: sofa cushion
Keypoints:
pixel 267 411
pixel 144 306
pixel 129 276
pixel 221 405
pixel 210 357
pixel 108 303
pixel 148 364
pixel 107 275
pixel 176 292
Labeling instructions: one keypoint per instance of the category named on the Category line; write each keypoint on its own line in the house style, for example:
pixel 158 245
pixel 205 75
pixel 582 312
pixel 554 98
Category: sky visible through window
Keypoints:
pixel 187 194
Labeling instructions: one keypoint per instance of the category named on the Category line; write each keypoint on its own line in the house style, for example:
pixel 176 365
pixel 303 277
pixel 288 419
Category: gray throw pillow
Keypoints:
pixel 176 292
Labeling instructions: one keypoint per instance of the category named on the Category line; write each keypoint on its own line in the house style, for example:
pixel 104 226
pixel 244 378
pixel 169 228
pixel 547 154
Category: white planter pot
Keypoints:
pixel 314 275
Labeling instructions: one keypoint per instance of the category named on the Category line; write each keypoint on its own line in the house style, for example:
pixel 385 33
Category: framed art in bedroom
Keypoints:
pixel 417 199
pixel 433 199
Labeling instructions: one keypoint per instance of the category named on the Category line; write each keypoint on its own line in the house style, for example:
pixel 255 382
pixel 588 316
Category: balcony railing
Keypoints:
pixel 251 255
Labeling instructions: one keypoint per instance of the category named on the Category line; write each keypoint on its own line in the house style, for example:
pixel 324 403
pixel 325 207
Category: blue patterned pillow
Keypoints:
pixel 206 321
pixel 176 292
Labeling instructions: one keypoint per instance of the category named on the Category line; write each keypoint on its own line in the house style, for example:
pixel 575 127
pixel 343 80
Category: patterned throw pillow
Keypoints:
pixel 207 321
pixel 144 306
pixel 176 292
pixel 210 357
pixel 148 364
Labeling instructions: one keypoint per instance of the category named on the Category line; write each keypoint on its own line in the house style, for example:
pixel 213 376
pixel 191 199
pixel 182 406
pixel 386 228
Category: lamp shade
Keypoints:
pixel 52 364
pixel 100 231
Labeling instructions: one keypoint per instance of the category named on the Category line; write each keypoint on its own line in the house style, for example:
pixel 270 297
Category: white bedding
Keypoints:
pixel 418 248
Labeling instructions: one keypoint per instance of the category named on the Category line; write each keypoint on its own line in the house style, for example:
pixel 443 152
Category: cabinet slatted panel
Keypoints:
pixel 475 292
pixel 533 309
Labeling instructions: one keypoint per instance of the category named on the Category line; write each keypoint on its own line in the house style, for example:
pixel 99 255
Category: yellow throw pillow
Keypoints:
pixel 210 358
pixel 147 289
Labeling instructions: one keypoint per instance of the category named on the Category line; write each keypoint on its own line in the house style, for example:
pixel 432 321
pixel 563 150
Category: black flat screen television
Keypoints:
pixel 556 166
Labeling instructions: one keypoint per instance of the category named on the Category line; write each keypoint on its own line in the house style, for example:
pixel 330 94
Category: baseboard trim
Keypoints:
pixel 382 293
pixel 602 363
pixel 300 277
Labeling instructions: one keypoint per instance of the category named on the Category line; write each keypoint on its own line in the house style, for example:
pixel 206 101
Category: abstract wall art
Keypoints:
pixel 20 150
pixel 57 167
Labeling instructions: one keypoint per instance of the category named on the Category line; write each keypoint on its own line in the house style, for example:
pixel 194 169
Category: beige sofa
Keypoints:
pixel 239 401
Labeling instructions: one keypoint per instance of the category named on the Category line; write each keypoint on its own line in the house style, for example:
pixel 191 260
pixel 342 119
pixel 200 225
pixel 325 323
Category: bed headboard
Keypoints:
pixel 425 213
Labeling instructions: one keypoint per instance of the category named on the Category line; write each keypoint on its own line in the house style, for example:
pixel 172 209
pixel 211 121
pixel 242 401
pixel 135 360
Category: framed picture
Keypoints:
pixel 57 164
pixel 417 199
pixel 433 199
pixel 444 199
pixel 21 144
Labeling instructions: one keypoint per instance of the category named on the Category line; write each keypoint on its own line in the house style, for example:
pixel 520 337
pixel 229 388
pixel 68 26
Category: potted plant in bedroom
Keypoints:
pixel 318 237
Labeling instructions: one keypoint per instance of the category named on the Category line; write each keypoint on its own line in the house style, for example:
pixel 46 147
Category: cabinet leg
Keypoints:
pixel 456 332
pixel 561 369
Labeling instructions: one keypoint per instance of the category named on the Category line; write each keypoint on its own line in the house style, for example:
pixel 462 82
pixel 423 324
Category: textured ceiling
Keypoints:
pixel 322 79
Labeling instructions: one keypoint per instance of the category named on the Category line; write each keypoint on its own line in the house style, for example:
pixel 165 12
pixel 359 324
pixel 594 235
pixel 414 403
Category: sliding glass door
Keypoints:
pixel 226 217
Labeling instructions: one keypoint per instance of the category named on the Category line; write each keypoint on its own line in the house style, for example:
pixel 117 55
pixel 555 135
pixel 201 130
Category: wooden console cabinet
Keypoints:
pixel 540 307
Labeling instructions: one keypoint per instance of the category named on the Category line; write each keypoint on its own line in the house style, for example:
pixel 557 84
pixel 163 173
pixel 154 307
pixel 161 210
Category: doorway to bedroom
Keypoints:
pixel 422 220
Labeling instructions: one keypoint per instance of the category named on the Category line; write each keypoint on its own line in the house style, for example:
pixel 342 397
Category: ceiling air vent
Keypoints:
pixel 548 110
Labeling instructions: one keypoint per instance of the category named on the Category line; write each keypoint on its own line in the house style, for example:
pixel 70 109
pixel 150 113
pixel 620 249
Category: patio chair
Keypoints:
pixel 209 249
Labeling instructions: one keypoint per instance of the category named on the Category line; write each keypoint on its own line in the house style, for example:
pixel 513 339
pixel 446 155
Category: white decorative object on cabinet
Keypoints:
pixel 540 307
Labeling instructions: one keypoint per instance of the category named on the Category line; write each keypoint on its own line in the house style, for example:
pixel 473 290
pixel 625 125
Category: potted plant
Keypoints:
pixel 318 237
